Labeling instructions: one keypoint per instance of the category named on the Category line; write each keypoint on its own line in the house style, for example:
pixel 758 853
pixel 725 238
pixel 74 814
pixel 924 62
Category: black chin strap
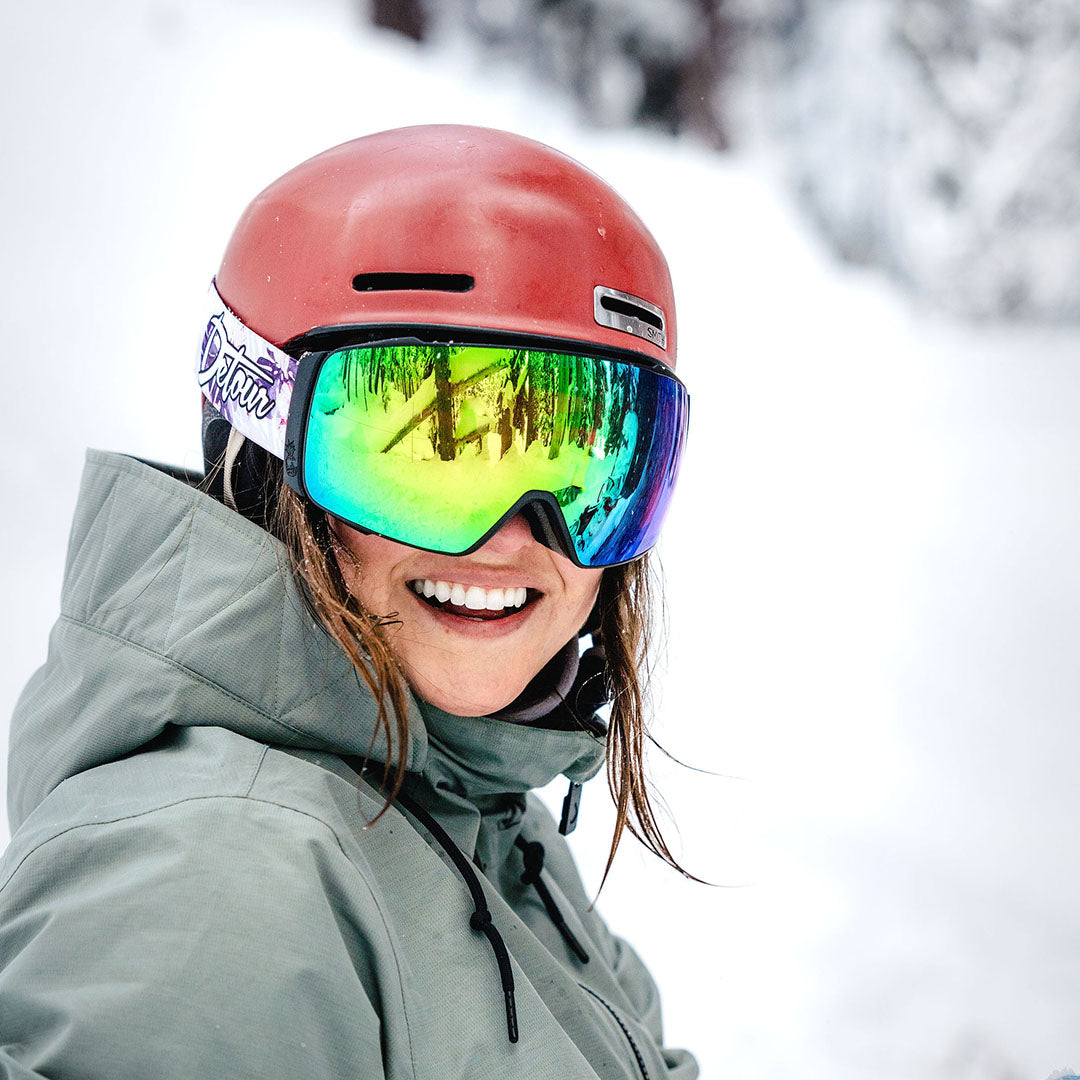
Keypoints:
pixel 251 468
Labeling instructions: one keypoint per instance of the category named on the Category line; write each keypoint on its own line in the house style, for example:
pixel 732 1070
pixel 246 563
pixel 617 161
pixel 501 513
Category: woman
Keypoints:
pixel 273 824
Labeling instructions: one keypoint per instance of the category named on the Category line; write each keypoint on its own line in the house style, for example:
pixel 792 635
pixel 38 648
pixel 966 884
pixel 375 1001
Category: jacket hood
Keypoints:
pixel 177 610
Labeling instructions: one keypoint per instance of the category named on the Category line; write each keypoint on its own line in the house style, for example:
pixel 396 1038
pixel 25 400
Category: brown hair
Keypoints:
pixel 626 608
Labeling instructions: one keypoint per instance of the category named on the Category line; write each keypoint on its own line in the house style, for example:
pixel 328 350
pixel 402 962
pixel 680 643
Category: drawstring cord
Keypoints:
pixel 480 919
pixel 533 856
pixel 532 853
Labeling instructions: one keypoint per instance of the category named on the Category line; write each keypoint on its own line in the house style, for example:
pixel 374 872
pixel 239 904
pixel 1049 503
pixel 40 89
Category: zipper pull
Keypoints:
pixel 570 809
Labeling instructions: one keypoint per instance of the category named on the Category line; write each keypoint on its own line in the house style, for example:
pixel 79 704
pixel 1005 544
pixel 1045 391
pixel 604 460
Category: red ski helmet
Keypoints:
pixel 452 226
pixel 482 270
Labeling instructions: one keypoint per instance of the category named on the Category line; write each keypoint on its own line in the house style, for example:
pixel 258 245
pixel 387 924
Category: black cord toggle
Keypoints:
pixel 532 853
pixel 480 920
pixel 533 856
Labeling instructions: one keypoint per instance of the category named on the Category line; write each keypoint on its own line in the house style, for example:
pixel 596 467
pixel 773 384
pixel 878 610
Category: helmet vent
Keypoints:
pixel 621 307
pixel 623 311
pixel 385 282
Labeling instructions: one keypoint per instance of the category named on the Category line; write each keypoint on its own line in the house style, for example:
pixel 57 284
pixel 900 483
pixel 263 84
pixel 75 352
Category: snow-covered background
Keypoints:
pixel 873 594
pixel 935 139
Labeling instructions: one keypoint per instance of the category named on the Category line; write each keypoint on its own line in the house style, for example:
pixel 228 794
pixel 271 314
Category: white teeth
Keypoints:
pixel 474 597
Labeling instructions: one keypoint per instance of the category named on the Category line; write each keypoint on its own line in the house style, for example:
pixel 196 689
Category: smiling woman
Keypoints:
pixel 468 652
pixel 271 790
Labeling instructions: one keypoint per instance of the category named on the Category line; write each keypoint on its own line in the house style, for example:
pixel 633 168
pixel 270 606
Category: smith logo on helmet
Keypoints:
pixel 624 311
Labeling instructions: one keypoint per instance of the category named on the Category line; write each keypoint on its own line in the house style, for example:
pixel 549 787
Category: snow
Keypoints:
pixel 871 578
pixel 938 141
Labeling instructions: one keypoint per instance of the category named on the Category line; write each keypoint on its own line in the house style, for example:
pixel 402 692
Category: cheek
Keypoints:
pixel 366 563
pixel 582 590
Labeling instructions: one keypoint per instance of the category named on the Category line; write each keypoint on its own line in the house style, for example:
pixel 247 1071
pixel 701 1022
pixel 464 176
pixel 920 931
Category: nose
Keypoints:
pixel 514 535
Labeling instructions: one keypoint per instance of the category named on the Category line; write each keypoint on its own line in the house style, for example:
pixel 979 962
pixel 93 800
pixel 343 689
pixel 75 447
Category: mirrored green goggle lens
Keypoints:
pixel 432 445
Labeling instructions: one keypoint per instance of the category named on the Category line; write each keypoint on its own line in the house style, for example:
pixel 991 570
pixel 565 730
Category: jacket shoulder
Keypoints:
pixel 169 779
pixel 203 927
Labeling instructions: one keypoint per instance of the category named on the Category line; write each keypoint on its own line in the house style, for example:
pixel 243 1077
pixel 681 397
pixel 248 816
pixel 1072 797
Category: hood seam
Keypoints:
pixel 197 676
pixel 239 594
pixel 139 472
pixel 92 603
pixel 185 543
pixel 255 772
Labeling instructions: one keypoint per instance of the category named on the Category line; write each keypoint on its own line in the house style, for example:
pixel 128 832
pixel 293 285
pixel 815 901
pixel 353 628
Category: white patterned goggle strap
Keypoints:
pixel 248 380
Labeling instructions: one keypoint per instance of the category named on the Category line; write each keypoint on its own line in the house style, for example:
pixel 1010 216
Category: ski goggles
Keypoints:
pixel 435 437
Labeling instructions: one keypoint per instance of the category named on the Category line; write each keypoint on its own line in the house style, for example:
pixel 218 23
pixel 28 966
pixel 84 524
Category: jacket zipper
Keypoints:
pixel 625 1030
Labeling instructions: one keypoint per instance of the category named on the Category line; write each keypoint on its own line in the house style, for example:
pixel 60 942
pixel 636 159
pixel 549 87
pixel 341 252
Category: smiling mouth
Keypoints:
pixel 473 601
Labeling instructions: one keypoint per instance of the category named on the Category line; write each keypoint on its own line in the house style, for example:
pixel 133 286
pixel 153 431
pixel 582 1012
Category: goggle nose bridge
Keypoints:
pixel 548 527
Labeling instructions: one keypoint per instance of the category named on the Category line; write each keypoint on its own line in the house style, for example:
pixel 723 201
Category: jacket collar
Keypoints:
pixel 157 566
pixel 477 770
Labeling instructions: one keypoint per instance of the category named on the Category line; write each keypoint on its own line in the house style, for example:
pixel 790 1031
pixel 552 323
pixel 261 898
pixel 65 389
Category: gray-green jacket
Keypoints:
pixel 192 889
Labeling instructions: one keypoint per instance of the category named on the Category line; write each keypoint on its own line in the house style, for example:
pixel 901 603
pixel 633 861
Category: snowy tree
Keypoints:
pixel 933 138
pixel 407 17
pixel 938 139
pixel 625 61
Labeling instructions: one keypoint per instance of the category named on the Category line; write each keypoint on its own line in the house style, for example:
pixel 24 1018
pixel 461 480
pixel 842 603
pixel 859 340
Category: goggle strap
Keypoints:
pixel 248 380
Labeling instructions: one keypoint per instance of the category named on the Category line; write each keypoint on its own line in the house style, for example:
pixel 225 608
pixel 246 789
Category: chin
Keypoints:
pixel 473 703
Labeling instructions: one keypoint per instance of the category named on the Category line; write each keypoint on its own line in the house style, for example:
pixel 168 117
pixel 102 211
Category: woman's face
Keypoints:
pixel 472 652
